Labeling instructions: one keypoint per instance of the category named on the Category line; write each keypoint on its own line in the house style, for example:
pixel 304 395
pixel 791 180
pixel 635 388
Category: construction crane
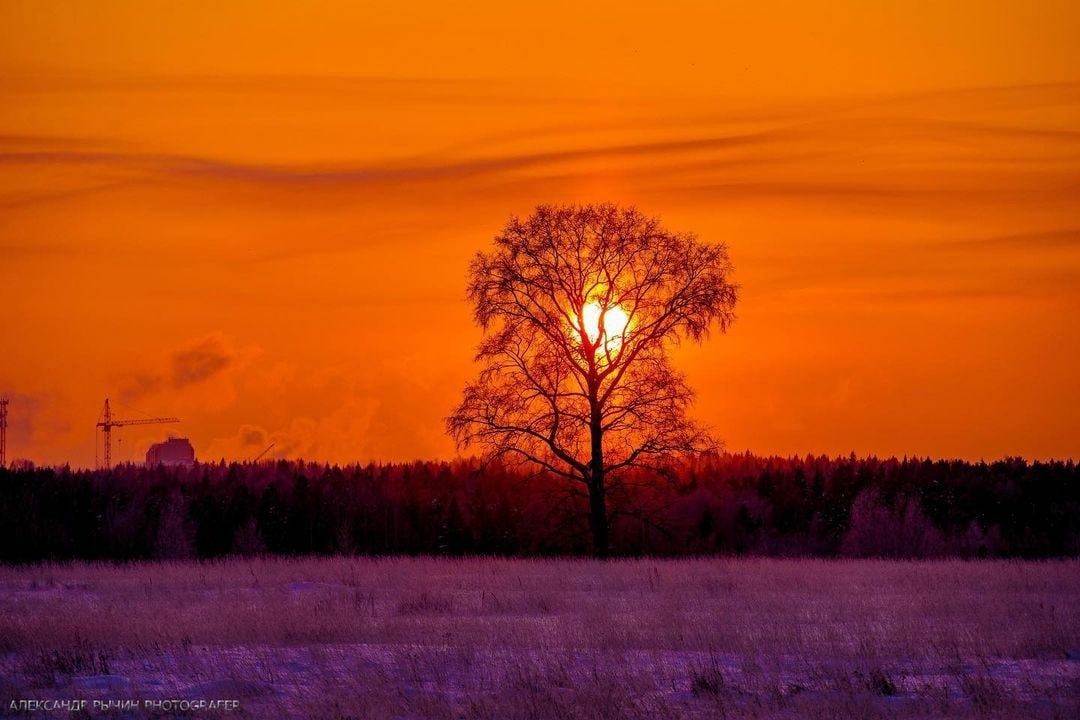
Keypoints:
pixel 260 455
pixel 108 422
pixel 3 432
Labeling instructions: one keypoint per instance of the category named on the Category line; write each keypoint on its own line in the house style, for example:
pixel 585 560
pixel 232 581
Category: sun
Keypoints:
pixel 613 320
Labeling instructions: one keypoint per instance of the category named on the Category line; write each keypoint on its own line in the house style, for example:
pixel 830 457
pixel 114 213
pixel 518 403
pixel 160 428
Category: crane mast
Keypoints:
pixel 108 422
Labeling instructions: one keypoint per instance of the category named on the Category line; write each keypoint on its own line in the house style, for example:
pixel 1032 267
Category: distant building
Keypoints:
pixel 174 451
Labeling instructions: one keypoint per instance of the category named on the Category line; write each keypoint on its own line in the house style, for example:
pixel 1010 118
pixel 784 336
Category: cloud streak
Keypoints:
pixel 792 155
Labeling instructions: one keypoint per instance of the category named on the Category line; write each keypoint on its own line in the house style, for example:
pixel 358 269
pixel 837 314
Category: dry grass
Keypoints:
pixel 485 638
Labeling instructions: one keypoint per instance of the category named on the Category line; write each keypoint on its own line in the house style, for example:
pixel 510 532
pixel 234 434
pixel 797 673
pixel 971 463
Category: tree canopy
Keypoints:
pixel 580 306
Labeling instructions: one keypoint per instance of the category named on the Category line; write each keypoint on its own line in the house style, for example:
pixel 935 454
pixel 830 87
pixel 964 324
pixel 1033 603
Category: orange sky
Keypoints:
pixel 259 217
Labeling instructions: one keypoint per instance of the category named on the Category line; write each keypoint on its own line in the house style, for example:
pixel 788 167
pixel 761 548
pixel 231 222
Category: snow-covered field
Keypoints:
pixel 483 638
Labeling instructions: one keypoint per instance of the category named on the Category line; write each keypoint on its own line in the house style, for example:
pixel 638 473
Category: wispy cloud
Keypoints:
pixel 910 124
pixel 309 175
pixel 1064 239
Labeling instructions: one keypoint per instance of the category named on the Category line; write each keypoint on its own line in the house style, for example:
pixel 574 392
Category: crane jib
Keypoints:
pixel 107 423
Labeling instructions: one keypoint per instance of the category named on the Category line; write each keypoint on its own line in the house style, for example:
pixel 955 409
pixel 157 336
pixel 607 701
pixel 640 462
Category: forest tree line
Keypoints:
pixel 721 504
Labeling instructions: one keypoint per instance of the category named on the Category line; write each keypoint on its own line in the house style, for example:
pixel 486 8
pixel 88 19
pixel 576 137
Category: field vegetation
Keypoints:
pixel 347 637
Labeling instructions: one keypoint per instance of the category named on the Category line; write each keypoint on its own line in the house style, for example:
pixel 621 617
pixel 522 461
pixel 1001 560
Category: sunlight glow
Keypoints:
pixel 614 321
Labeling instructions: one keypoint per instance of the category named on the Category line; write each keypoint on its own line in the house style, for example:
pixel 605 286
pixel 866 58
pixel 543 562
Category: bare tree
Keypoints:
pixel 580 306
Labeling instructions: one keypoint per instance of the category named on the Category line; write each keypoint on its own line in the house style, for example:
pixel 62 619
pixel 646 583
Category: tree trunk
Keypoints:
pixel 598 519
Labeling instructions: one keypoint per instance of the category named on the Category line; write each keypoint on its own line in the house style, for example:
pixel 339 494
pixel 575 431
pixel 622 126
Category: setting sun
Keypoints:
pixel 611 323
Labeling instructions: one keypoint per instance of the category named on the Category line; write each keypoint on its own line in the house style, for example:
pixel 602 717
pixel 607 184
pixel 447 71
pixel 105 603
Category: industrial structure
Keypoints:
pixel 263 453
pixel 172 452
pixel 107 422
pixel 3 432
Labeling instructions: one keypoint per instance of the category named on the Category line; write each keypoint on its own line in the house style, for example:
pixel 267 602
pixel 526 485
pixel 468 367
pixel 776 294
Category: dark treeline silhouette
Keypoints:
pixel 812 506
